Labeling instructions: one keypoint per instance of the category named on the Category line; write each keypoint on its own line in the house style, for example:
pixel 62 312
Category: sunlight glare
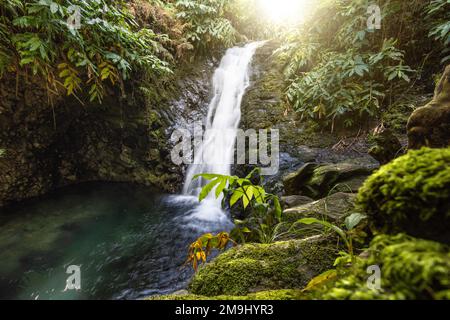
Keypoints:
pixel 285 11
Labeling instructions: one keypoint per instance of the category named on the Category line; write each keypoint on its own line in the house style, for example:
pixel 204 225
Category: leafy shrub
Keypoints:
pixel 410 194
pixel 36 37
pixel 438 13
pixel 207 26
pixel 264 221
pixel 339 71
pixel 160 16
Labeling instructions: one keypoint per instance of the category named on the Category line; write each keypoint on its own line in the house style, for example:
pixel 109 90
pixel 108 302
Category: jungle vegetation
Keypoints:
pixel 339 72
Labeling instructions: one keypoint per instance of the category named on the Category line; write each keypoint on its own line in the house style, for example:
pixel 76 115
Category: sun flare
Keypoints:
pixel 286 11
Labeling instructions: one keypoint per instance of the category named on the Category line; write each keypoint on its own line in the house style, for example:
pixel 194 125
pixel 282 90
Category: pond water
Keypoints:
pixel 128 241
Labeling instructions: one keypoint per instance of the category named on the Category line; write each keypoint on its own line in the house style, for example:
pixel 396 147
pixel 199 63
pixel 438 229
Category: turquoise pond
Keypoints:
pixel 128 241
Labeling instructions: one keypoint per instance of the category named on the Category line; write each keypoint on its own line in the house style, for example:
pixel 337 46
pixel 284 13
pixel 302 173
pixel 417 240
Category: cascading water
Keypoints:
pixel 216 152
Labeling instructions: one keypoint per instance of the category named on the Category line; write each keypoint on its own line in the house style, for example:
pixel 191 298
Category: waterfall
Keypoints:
pixel 216 152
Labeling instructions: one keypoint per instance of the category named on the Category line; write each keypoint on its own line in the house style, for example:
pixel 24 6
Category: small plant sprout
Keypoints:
pixel 347 234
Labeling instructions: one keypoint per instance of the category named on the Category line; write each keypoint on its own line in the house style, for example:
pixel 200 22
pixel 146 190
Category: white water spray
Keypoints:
pixel 215 154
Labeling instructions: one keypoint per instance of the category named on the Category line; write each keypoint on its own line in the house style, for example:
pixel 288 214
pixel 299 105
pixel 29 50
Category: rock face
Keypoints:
pixel 126 138
pixel 294 201
pixel 333 209
pixel 429 126
pixel 257 267
pixel 317 180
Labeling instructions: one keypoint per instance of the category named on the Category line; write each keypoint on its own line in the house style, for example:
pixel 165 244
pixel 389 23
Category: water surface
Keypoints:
pixel 128 241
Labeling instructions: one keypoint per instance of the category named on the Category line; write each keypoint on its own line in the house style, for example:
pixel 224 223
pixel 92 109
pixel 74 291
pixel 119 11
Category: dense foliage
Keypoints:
pixel 340 71
pixel 207 25
pixel 82 47
pixel 73 44
pixel 438 16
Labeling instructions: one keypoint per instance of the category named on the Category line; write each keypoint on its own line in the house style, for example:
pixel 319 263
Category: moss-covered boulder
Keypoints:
pixel 283 294
pixel 318 180
pixel 411 194
pixel 258 267
pixel 430 125
pixel 410 269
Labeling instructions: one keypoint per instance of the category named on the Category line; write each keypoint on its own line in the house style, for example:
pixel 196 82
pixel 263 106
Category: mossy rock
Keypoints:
pixel 429 126
pixel 318 180
pixel 411 269
pixel 411 194
pixel 258 267
pixel 284 294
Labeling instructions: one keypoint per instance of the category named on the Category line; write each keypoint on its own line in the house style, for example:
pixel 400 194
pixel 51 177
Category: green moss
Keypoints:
pixel 411 194
pixel 410 269
pixel 258 267
pixel 396 116
pixel 285 294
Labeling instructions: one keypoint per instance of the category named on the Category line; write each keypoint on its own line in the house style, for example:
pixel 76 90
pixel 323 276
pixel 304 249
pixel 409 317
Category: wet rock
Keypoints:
pixel 180 293
pixel 124 139
pixel 294 201
pixel 318 180
pixel 333 209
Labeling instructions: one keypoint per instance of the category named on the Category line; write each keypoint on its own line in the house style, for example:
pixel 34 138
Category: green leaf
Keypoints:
pixel 245 201
pixel 236 196
pixel 207 176
pixel 207 189
pixel 249 191
pixel 54 7
pixel 353 220
pixel 278 210
pixel 309 221
pixel 221 186
pixel 321 279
